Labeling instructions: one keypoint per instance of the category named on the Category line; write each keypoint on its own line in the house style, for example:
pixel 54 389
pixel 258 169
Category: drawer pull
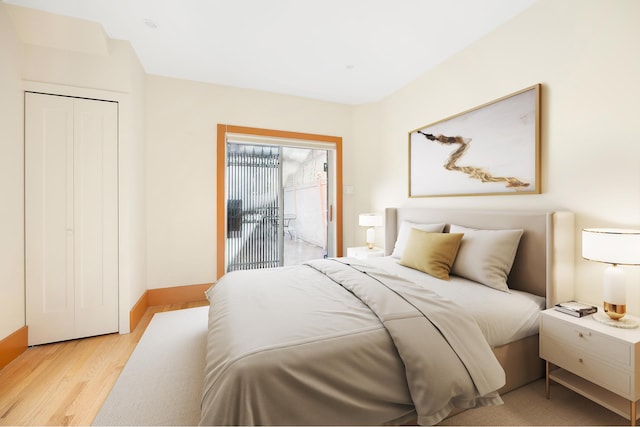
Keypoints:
pixel 580 360
pixel 580 334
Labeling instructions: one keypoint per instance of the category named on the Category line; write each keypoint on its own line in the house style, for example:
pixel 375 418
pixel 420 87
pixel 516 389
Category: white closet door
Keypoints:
pixel 49 218
pixel 95 217
pixel 71 224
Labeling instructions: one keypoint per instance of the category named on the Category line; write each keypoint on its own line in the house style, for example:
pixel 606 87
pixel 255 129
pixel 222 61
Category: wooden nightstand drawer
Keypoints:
pixel 599 345
pixel 584 364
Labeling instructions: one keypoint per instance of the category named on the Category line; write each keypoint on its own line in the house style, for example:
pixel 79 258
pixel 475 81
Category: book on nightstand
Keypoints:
pixel 575 308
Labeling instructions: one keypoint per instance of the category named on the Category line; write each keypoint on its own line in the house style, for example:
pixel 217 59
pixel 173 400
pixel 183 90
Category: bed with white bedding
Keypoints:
pixel 516 318
pixel 348 342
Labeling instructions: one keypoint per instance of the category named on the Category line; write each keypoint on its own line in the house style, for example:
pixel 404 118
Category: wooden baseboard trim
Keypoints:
pixel 136 313
pixel 164 296
pixel 13 345
pixel 177 294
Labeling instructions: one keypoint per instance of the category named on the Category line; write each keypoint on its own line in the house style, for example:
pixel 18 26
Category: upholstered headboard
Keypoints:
pixel 544 261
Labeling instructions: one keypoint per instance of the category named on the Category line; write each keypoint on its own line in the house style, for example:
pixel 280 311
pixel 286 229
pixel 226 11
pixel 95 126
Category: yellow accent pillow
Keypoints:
pixel 432 253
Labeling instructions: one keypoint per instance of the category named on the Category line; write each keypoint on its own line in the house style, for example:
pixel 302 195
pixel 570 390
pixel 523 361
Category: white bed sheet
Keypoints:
pixel 503 317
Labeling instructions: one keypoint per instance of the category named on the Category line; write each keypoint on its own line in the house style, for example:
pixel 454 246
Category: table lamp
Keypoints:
pixel 615 247
pixel 370 220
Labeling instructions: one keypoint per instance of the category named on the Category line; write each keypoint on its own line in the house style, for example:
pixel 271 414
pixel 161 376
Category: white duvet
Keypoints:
pixel 503 317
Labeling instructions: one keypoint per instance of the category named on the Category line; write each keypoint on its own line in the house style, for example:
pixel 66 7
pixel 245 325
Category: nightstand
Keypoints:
pixel 364 252
pixel 600 362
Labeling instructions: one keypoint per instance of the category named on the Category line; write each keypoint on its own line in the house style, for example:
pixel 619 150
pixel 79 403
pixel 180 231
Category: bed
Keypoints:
pixel 368 342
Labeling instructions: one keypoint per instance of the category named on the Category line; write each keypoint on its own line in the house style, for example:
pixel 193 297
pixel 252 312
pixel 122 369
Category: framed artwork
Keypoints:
pixel 488 150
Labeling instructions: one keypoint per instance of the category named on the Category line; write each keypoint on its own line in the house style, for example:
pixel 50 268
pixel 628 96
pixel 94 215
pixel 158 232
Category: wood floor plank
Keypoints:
pixel 66 383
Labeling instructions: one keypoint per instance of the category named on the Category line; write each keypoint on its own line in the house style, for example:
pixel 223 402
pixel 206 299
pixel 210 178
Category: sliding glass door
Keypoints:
pixel 277 205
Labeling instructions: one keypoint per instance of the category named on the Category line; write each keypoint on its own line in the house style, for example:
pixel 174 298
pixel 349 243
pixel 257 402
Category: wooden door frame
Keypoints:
pixel 221 215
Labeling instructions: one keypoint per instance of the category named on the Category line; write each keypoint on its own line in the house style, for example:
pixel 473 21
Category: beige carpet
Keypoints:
pixel 162 380
pixel 161 385
pixel 527 406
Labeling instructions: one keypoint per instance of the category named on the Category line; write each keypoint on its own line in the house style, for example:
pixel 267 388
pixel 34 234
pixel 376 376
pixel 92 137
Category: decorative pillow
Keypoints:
pixel 403 235
pixel 432 253
pixel 486 256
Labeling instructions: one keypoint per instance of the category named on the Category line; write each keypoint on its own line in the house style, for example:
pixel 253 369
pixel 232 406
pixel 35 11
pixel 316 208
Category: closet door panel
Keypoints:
pixel 96 217
pixel 49 218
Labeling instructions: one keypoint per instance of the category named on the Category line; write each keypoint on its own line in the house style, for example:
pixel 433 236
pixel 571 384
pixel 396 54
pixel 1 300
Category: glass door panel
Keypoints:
pixel 253 206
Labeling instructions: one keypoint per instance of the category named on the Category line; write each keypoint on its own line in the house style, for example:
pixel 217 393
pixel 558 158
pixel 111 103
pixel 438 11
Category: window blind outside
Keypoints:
pixel 254 198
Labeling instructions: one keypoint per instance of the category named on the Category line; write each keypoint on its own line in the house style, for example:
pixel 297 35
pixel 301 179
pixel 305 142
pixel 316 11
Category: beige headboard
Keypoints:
pixel 544 262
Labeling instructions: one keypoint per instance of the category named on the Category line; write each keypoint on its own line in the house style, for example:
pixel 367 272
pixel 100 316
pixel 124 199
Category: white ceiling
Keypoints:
pixel 346 51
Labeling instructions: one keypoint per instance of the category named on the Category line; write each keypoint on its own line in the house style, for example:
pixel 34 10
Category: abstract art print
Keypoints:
pixel 491 149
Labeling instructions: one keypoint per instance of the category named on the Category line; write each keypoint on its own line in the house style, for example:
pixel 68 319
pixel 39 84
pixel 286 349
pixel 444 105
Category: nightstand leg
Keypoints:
pixel 547 388
pixel 633 413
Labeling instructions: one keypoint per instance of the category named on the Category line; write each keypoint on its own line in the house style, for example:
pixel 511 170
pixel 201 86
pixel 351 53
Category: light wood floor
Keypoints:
pixel 66 383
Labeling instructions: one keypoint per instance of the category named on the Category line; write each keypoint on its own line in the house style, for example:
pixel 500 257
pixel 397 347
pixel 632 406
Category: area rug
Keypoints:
pixel 528 406
pixel 162 380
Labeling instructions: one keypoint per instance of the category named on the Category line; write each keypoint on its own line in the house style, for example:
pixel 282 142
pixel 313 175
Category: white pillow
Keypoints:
pixel 403 235
pixel 486 256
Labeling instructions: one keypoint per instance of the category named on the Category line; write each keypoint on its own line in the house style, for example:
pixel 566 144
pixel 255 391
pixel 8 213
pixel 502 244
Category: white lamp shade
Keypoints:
pixel 370 220
pixel 611 245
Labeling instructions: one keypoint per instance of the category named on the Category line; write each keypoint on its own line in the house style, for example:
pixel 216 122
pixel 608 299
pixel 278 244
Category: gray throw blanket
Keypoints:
pixel 341 342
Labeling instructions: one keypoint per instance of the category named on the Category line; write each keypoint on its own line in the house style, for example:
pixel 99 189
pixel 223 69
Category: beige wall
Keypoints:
pixel 181 119
pixel 11 179
pixel 94 68
pixel 584 52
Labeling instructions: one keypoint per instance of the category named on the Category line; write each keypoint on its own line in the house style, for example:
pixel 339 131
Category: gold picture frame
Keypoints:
pixel 493 149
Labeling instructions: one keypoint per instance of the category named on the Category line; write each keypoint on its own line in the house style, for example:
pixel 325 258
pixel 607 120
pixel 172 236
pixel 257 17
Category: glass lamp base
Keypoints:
pixel 624 323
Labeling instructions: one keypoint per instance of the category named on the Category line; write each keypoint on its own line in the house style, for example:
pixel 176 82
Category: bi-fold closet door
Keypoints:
pixel 71 217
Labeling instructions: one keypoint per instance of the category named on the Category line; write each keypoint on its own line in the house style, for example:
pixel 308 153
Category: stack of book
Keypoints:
pixel 575 308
